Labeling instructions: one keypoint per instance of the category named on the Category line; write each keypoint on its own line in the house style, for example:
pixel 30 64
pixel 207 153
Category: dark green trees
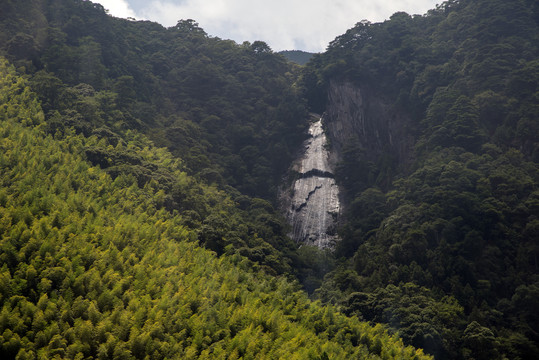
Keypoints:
pixel 459 218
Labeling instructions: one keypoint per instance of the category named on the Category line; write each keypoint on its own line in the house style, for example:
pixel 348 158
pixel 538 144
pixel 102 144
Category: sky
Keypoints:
pixel 307 25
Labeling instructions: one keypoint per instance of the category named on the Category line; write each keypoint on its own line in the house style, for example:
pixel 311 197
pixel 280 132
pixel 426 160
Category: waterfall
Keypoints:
pixel 313 203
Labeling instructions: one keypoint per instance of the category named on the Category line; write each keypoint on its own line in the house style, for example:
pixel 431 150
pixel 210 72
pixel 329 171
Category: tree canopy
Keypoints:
pixel 94 265
pixel 451 232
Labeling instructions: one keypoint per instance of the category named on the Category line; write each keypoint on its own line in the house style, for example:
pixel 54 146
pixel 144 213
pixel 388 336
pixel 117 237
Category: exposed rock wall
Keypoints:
pixel 312 204
pixel 354 113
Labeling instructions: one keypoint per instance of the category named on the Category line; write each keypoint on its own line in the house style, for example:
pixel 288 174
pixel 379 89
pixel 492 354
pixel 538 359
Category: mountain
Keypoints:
pixel 95 264
pixel 297 56
pixel 228 111
pixel 434 119
pixel 140 169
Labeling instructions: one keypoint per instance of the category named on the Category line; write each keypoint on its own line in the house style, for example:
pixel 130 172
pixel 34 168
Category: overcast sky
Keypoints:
pixel 284 24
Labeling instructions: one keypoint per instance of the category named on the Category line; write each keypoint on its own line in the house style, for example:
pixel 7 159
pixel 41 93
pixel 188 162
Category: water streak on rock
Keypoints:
pixel 313 206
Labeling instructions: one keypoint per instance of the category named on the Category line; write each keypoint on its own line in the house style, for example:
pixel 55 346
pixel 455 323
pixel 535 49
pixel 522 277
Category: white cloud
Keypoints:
pixel 118 8
pixel 283 24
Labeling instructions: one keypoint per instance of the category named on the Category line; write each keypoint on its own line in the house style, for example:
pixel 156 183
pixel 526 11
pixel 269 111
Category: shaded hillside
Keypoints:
pixel 228 110
pixel 439 162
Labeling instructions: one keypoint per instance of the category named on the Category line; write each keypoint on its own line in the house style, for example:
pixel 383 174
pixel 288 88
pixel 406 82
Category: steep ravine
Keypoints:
pixel 312 203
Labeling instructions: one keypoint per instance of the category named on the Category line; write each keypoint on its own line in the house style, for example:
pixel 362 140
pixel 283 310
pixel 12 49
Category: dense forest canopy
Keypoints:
pixel 227 110
pixel 139 167
pixel 297 56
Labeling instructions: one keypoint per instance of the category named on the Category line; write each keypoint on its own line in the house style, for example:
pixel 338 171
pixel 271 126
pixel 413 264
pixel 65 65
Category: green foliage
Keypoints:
pixel 99 226
pixel 460 225
pixel 229 111
pixel 415 312
pixel 297 56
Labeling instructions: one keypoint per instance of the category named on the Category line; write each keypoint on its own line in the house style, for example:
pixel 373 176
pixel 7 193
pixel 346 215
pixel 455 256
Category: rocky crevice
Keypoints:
pixel 303 204
pixel 316 172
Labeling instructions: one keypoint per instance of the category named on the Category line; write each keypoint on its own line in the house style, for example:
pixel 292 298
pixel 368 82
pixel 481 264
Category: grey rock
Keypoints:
pixel 357 114
pixel 312 203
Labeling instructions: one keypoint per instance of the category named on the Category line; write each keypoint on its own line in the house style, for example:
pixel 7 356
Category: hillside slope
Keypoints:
pixel 96 267
pixel 143 141
pixel 228 111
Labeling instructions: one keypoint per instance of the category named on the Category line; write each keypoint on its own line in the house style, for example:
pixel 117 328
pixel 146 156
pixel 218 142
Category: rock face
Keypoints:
pixel 355 114
pixel 312 205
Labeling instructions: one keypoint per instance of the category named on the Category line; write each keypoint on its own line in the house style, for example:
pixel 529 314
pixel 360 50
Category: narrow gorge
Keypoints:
pixel 311 203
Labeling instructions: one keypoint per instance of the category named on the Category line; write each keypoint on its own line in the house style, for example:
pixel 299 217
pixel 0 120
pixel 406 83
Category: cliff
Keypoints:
pixel 357 116
pixel 311 204
pixel 354 118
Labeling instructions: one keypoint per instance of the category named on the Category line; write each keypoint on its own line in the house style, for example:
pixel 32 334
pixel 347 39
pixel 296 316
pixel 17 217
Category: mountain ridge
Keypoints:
pixel 436 130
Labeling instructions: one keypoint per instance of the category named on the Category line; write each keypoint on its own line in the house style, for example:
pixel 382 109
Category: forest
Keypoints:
pixel 139 171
